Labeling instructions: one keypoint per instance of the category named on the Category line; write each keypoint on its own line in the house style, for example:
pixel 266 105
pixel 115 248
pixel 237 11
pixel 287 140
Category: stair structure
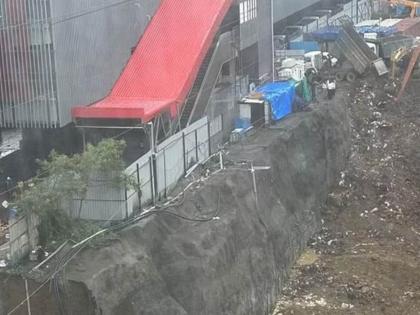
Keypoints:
pixel 192 97
pixel 165 66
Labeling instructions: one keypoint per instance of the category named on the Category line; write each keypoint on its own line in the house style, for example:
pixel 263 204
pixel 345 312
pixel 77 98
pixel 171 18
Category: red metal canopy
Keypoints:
pixel 164 65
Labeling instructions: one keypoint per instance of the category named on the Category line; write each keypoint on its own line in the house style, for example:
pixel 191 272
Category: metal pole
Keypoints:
pixel 152 137
pixel 184 153
pixel 153 162
pixel 272 41
pixel 139 185
pixel 196 145
pixel 84 139
pixel 126 202
pixel 254 181
pixel 28 303
pixel 164 172
pixel 111 127
pixel 209 132
pixel 152 180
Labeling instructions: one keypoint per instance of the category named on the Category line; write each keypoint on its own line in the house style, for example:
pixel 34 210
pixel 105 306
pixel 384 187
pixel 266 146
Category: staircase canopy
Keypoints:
pixel 163 67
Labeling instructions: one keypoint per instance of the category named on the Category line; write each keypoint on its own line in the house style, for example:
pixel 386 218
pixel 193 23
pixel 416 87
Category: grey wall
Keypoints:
pixel 284 8
pixel 265 49
pixel 27 95
pixel 223 102
pixel 259 30
pixel 249 33
pixel 93 41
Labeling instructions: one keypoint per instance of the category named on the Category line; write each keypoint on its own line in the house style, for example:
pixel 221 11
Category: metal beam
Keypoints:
pixel 408 73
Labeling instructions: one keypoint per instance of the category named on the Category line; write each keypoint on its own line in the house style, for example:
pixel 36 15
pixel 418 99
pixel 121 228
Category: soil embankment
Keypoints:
pixel 236 263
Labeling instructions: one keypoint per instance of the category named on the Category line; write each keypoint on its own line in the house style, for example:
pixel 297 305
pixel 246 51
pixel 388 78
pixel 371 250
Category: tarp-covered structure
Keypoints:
pixel 326 34
pixel 280 95
pixel 382 31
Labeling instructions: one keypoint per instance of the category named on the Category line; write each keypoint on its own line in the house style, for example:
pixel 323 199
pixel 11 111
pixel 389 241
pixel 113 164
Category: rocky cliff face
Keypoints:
pixel 236 264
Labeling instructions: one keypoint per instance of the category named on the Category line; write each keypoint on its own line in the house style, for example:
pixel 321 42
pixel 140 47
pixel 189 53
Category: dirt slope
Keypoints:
pixel 236 263
pixel 366 258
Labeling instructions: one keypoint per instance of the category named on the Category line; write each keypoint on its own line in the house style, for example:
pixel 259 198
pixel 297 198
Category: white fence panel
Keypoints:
pixel 104 201
pixel 192 154
pixel 141 172
pixel 170 164
pixel 153 173
pixel 203 143
pixel 160 173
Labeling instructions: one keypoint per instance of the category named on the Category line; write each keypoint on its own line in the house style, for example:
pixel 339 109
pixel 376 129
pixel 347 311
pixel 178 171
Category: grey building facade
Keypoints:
pixel 56 54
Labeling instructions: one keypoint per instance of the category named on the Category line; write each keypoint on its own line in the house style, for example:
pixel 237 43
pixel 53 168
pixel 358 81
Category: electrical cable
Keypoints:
pixel 75 250
pixel 62 263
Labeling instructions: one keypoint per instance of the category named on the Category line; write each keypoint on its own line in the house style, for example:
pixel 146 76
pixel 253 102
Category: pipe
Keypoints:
pixel 272 41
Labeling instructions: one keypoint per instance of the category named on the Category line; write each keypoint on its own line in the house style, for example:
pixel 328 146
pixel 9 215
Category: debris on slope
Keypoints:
pixel 367 249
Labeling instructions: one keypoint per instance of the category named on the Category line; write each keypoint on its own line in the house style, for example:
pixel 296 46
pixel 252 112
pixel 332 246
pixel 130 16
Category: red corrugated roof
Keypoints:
pixel 164 65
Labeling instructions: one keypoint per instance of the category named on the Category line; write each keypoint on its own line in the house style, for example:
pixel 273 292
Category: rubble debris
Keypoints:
pixel 370 237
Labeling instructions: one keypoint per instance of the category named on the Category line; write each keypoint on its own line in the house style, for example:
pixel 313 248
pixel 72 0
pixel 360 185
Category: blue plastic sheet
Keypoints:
pixel 307 46
pixel 280 95
pixel 327 33
pixel 382 31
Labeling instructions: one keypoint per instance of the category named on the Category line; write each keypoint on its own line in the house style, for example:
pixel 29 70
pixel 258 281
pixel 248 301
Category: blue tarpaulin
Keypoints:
pixel 307 46
pixel 382 31
pixel 280 95
pixel 327 33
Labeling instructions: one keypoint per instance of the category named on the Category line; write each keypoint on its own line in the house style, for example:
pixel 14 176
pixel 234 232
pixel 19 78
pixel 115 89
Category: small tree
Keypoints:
pixel 62 178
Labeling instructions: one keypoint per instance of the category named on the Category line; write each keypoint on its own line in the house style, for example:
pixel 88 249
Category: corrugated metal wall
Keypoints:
pixel 93 41
pixel 55 54
pixel 265 39
pixel 28 96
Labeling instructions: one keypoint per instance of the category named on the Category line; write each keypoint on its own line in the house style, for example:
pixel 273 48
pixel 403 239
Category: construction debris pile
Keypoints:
pixel 365 259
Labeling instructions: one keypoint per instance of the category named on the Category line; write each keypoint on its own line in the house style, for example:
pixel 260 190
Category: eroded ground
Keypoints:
pixel 366 259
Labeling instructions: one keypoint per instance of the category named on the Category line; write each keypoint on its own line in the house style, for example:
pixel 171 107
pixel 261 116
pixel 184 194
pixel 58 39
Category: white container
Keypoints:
pixel 370 35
